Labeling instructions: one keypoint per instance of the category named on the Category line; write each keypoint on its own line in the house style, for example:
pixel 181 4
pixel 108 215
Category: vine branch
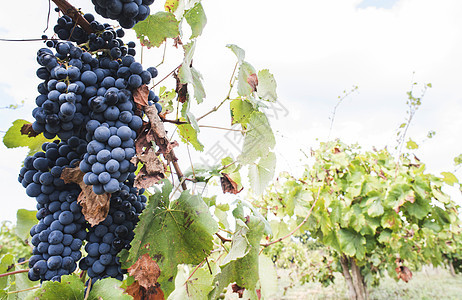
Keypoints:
pixel 14 272
pixel 74 13
pixel 231 84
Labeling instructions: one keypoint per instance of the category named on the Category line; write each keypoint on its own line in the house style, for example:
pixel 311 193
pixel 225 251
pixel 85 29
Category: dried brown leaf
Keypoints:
pixel 181 89
pixel 152 170
pixel 26 129
pixel 404 273
pixel 94 207
pixel 253 81
pixel 140 293
pixel 228 184
pixel 158 131
pixel 238 290
pixel 140 95
pixel 146 271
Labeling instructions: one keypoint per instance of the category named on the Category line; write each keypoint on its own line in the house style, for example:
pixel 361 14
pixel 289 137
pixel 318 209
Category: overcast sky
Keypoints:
pixel 315 49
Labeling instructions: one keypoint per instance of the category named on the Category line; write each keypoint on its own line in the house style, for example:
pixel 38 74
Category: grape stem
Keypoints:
pixel 25 290
pixel 231 85
pixel 72 12
pixel 14 272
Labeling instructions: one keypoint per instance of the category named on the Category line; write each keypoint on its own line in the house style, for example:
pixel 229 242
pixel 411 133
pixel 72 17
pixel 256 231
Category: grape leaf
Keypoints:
pixel 197 287
pixel 171 5
pixel 240 112
pixel 268 276
pixel 25 219
pixel 94 207
pixel 449 178
pixel 13 138
pixel 5 262
pixel 189 135
pixel 145 270
pixel 107 289
pixel 245 72
pixel 153 31
pixel 411 145
pixel 266 88
pixel 140 293
pixel 196 19
pixel 259 138
pixel 262 172
pixel 241 263
pixel 172 232
pixel 352 244
pixel 199 91
pixel 239 52
pixel 70 288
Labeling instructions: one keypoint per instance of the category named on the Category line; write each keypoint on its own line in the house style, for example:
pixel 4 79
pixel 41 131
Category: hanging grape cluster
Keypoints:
pixel 86 101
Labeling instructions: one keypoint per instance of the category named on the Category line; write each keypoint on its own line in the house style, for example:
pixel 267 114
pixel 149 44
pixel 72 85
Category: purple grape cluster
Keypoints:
pixel 126 12
pixel 86 100
pixel 58 236
pixel 115 233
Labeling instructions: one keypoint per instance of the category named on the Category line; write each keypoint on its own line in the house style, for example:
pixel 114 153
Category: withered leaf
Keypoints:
pixel 94 207
pixel 158 131
pixel 253 81
pixel 181 89
pixel 140 293
pixel 140 95
pixel 146 271
pixel 404 273
pixel 237 289
pixel 228 184
pixel 26 129
pixel 152 170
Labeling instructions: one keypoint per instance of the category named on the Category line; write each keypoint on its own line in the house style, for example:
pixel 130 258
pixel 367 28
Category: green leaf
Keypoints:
pixel 259 138
pixel 171 5
pixel 196 19
pixel 268 277
pixel 243 87
pixel 166 99
pixel 70 288
pixel 384 237
pixel 352 244
pixel 184 72
pixel 221 214
pixel 199 91
pixel 153 31
pixel 195 288
pixel 108 289
pixel 173 232
pixel 5 262
pixel 262 172
pixel 375 207
pixel 411 145
pixel 25 220
pixel 266 88
pixel 13 138
pixel 449 178
pixel 241 263
pixel 202 172
pixel 240 112
pixel 239 52
pixel 189 135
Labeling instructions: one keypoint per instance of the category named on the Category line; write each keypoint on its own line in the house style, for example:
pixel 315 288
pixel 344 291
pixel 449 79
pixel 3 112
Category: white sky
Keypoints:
pixel 315 49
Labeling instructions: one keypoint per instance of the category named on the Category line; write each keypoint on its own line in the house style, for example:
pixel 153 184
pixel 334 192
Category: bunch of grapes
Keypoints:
pixel 58 236
pixel 86 100
pixel 126 12
pixel 115 233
